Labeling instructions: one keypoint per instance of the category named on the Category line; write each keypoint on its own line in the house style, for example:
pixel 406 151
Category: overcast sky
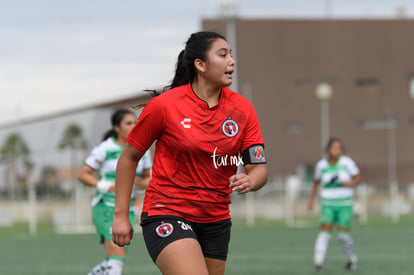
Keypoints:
pixel 62 54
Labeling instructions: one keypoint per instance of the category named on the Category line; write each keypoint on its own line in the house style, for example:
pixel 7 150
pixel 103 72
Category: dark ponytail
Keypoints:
pixel 116 120
pixel 108 134
pixel 183 72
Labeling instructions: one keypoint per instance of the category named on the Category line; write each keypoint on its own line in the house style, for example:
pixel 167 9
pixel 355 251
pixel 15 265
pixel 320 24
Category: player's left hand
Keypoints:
pixel 347 183
pixel 240 183
pixel 310 205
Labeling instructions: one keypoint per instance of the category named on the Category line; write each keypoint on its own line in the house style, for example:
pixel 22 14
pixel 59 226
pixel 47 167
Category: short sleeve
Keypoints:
pixel 253 134
pixel 352 167
pixel 317 171
pixel 96 158
pixel 149 126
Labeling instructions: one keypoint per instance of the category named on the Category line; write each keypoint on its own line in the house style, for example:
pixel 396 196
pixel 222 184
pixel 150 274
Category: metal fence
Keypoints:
pixel 283 198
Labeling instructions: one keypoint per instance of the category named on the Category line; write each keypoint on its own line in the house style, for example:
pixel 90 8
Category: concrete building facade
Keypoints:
pixel 369 65
pixel 44 133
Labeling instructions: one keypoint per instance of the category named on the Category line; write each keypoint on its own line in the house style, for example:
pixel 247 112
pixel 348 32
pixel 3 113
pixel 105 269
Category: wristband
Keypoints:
pixel 103 186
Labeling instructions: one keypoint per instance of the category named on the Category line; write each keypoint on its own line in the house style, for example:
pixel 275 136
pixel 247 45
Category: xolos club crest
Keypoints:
pixel 164 229
pixel 230 127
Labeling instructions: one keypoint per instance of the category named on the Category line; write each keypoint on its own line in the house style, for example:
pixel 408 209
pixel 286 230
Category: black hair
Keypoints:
pixel 196 47
pixel 331 141
pixel 116 120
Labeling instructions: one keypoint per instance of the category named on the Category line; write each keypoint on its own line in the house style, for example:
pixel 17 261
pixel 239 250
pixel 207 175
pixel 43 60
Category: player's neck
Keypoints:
pixel 333 160
pixel 120 141
pixel 209 94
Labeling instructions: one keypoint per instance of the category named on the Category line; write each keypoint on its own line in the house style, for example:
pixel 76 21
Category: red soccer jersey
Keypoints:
pixel 198 148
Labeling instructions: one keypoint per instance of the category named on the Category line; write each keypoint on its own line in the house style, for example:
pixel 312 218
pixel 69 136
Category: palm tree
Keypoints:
pixel 48 185
pixel 73 140
pixel 14 147
pixel 28 168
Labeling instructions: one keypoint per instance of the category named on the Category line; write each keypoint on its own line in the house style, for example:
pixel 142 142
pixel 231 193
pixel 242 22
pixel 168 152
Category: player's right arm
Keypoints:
pixel 316 182
pixel 313 194
pixel 86 176
pixel 142 182
pixel 124 180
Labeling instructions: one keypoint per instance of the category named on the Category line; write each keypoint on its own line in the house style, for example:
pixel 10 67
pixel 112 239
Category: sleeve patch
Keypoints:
pixel 254 155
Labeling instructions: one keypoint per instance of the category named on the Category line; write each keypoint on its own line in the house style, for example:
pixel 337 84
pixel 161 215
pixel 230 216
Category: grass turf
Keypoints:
pixel 266 248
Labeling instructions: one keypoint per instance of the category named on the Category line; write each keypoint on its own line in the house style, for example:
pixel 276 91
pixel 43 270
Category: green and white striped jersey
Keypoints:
pixel 330 178
pixel 104 159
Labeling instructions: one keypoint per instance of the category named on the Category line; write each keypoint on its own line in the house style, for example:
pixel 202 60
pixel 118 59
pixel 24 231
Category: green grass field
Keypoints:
pixel 267 248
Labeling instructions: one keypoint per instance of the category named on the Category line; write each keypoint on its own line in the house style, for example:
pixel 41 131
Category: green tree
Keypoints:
pixel 73 140
pixel 25 179
pixel 14 149
pixel 48 185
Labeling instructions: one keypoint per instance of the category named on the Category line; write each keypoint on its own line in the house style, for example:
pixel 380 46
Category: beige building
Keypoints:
pixel 44 133
pixel 369 65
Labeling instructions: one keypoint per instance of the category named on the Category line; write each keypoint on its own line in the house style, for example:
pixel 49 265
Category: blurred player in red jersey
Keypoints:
pixel 203 132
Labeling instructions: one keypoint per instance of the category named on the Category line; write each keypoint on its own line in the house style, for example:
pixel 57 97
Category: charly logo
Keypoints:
pixel 230 127
pixel 164 229
pixel 186 122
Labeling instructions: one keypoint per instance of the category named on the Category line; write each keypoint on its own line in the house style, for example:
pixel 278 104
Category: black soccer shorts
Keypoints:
pixel 160 231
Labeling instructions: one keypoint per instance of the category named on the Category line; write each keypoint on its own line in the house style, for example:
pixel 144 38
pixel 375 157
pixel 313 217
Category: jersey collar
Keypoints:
pixel 200 102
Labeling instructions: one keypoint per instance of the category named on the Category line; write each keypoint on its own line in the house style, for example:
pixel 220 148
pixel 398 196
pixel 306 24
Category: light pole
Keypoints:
pixel 229 12
pixel 324 93
pixel 328 8
pixel 392 167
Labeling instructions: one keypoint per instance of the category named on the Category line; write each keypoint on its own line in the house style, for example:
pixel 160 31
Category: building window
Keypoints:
pixel 294 127
pixel 367 83
pixel 378 124
pixel 313 81
pixel 411 86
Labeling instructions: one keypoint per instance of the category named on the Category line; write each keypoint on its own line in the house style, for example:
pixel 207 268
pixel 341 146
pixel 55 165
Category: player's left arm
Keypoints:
pixel 254 178
pixel 313 194
pixel 353 182
pixel 354 172
pixel 254 160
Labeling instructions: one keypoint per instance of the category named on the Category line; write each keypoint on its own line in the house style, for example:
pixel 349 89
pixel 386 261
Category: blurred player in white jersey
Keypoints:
pixel 337 175
pixel 104 159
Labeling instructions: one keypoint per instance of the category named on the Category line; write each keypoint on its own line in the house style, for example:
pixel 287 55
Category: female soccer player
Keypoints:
pixel 336 174
pixel 104 159
pixel 204 131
